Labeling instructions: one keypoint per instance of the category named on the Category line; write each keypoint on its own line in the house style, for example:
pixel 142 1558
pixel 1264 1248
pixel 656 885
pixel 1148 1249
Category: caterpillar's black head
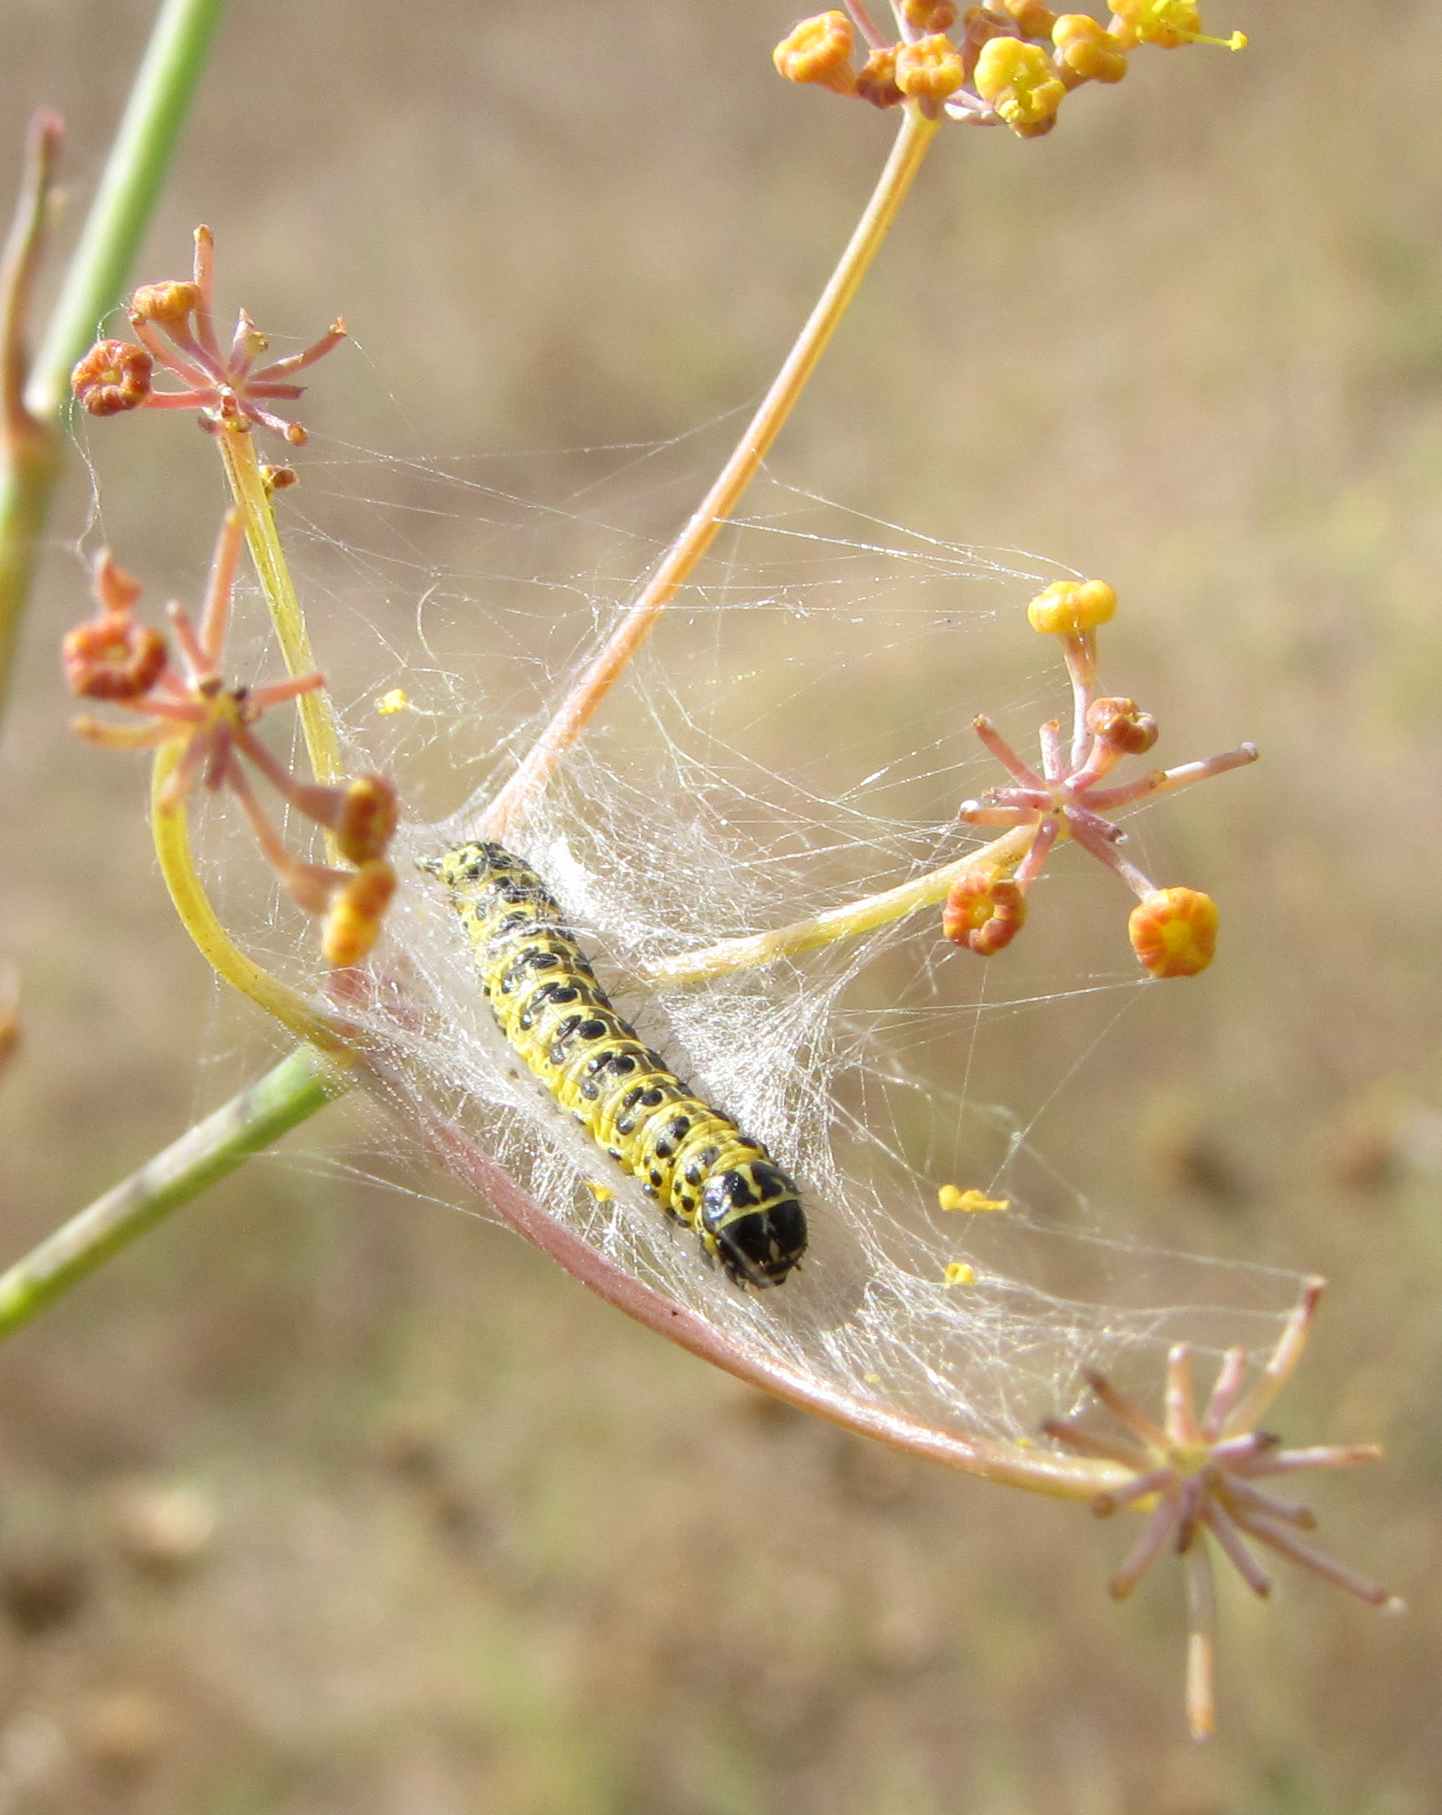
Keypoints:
pixel 752 1220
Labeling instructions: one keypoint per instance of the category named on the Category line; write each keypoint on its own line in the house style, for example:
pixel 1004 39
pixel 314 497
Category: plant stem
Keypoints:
pixel 847 922
pixel 1014 1464
pixel 170 833
pixel 139 160
pixel 317 714
pixel 606 668
pixel 29 451
pixel 300 1085
pixel 307 1080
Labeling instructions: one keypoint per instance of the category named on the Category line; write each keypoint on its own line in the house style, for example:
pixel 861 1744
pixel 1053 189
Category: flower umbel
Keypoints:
pixel 174 323
pixel 1174 930
pixel 113 657
pixel 1009 63
pixel 1197 1477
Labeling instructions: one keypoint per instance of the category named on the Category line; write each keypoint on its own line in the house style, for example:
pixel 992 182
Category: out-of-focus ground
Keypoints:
pixel 478 1545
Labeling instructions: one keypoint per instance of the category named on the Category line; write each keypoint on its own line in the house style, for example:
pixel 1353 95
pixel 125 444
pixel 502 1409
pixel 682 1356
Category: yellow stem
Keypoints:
pixel 172 847
pixel 317 715
pixel 609 664
pixel 846 922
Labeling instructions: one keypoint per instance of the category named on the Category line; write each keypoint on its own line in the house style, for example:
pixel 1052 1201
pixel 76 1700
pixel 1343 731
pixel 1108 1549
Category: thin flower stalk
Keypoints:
pixel 170 832
pixel 1013 1464
pixel 9 1014
pixel 849 921
pixel 29 444
pixel 253 499
pixel 607 666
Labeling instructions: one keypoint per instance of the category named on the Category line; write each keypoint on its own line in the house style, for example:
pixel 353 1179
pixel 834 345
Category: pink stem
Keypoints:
pixel 1298 1461
pixel 1231 1378
pixel 204 274
pixel 1201 1645
pixel 976 813
pixel 180 400
pixel 1005 1463
pixel 1091 1443
pixel 179 712
pixel 1006 756
pixel 293 362
pixel 1230 1539
pixel 1032 865
pixel 1148 1547
pixel 865 25
pixel 1167 781
pixel 191 647
pixel 1081 664
pixel 1181 1418
pixel 1101 847
pixel 1309 1557
pixel 1125 1412
pixel 216 612
pixel 1051 750
pixel 276 693
pixel 1282 1363
pixel 276 424
pixel 165 354
pixel 1254 1500
pixel 1153 1482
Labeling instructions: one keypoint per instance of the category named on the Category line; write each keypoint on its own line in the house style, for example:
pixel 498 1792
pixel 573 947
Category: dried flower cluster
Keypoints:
pixel 1009 63
pixel 1197 1476
pixel 175 325
pixel 1173 930
pixel 115 658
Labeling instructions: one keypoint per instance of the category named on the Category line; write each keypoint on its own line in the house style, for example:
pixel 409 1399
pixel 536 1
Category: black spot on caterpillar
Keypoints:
pixel 691 1158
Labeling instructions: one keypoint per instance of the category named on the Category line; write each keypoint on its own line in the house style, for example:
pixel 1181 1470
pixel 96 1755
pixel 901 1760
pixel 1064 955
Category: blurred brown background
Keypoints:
pixel 477 1545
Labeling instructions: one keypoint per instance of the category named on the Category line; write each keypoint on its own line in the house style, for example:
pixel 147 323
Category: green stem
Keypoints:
pixel 294 1090
pixel 29 450
pixel 27 479
pixel 317 714
pixel 160 98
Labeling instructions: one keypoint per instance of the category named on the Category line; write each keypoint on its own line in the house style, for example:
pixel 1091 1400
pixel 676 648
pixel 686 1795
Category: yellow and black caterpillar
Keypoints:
pixel 543 992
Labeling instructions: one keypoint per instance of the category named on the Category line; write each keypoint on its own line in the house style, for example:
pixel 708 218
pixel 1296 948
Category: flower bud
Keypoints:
pixel 818 50
pixel 928 15
pixel 876 80
pixel 1086 51
pixel 113 376
pixel 1122 725
pixel 353 921
pixel 1021 85
pixel 1071 607
pixel 983 912
pixel 929 70
pixel 1174 931
pixel 167 304
pixel 367 818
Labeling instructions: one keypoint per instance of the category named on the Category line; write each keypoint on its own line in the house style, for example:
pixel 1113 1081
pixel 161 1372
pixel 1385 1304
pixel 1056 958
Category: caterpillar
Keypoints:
pixel 543 992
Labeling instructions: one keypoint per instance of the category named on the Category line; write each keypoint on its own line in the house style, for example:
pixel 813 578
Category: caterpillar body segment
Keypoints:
pixel 543 992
